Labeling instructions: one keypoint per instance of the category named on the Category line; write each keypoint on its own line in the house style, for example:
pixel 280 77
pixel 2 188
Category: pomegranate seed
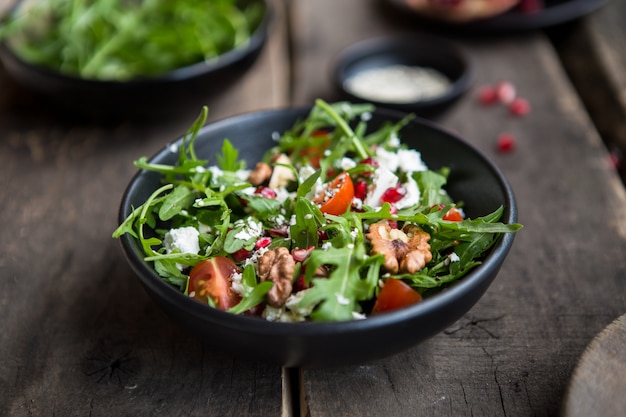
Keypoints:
pixel 487 95
pixel 393 194
pixel 300 284
pixel 322 235
pixel 241 255
pixel 266 192
pixel 360 190
pixel 506 142
pixel 519 107
pixel 280 231
pixel 263 242
pixel 370 161
pixel 505 91
pixel 300 255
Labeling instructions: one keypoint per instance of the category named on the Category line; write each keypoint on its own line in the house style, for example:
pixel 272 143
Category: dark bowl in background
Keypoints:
pixel 171 93
pixel 474 180
pixel 411 50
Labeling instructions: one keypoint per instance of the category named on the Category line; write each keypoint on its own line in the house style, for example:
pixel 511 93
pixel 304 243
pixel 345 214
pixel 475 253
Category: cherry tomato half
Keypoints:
pixel 341 190
pixel 453 215
pixel 315 153
pixel 213 278
pixel 395 294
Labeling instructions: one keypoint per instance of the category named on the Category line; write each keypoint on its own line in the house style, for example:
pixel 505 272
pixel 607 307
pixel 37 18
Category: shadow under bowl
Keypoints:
pixel 172 93
pixel 473 179
pixel 416 51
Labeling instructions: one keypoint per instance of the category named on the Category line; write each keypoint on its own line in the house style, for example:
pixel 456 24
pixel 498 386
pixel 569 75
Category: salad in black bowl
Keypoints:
pixel 128 57
pixel 338 233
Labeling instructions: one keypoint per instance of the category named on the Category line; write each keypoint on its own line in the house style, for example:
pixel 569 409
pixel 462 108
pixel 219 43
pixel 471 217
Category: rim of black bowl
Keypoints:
pixel 257 325
pixel 256 40
pixel 380 46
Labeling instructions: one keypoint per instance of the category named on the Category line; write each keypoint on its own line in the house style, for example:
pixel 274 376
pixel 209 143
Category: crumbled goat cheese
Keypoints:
pixel 238 286
pixel 286 314
pixel 251 229
pixel 412 196
pixel 342 300
pixel 305 172
pixel 282 194
pixel 387 159
pixel 383 179
pixel 243 174
pixel 254 257
pixel 407 160
pixel 347 163
pixel 358 316
pixel 183 240
pixel 410 160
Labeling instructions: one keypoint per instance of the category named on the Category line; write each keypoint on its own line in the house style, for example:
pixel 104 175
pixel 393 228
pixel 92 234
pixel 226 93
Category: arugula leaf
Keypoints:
pixel 180 198
pixel 228 160
pixel 308 221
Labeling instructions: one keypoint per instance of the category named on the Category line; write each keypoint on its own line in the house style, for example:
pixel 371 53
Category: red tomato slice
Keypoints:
pixel 213 278
pixel 315 153
pixel 395 294
pixel 454 215
pixel 342 193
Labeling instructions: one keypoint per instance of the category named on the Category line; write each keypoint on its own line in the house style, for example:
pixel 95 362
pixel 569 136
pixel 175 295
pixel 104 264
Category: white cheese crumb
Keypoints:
pixel 410 160
pixel 412 196
pixel 342 300
pixel 347 163
pixel 183 240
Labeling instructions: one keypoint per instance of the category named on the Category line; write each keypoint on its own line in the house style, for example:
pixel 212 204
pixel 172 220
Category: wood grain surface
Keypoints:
pixel 80 337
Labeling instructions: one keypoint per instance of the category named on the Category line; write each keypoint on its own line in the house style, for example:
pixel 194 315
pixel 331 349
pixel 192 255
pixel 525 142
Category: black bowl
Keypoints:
pixel 474 179
pixel 174 92
pixel 408 50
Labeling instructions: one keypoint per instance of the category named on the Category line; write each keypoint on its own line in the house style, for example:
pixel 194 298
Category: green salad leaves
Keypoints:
pixel 124 39
pixel 332 180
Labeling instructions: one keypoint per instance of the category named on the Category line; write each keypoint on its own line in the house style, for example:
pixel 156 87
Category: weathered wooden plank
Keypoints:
pixel 514 351
pixel 593 52
pixel 79 335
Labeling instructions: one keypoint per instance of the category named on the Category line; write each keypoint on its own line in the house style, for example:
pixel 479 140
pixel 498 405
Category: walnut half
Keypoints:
pixel 277 265
pixel 405 251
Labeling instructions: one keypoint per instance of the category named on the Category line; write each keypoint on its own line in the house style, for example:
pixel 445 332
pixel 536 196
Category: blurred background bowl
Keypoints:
pixel 473 179
pixel 170 93
pixel 418 52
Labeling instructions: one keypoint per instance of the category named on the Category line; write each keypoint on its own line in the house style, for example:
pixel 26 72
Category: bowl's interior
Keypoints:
pixel 419 51
pixel 473 180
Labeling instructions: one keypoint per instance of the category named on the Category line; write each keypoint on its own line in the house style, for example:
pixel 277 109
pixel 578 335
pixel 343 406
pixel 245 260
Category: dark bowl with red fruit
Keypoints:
pixel 474 179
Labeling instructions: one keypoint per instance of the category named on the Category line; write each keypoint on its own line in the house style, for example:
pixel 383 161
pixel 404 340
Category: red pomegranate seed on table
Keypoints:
pixel 487 95
pixel 505 92
pixel 506 142
pixel 519 107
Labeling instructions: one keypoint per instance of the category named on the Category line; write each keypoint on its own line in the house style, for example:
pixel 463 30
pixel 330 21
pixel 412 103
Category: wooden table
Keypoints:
pixel 80 337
